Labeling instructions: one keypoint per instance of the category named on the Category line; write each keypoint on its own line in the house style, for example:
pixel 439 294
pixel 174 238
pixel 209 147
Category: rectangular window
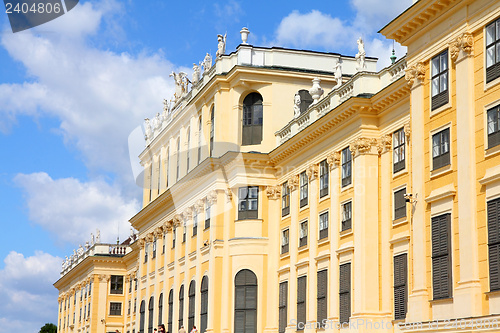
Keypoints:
pixel 494 243
pixel 163 246
pixel 174 233
pixel 493 51
pixel 154 248
pixel 285 240
pixel 115 309
pixel 248 202
pixel 322 292
pixel 303 189
pixel 146 250
pixel 129 307
pixel 400 286
pixel 346 166
pixel 283 302
pixel 494 126
pixel 323 225
pixel 344 293
pixel 346 216
pixel 441 256
pixel 398 148
pixel 285 199
pixel 399 204
pixel 323 178
pixel 439 88
pixel 441 149
pixel 184 231
pixel 195 223
pixel 116 284
pixel 303 234
pixel 90 287
pixel 130 287
pixel 207 215
pixel 301 302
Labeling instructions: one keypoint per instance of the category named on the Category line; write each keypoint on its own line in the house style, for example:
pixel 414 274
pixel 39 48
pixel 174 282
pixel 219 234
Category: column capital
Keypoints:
pixel 312 171
pixel 293 182
pixel 384 144
pixel 333 159
pixel 212 197
pixel 415 74
pixel 273 192
pixel 462 47
pixel 361 146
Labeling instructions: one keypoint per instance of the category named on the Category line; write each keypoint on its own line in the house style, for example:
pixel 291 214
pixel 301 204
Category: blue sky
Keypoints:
pixel 72 90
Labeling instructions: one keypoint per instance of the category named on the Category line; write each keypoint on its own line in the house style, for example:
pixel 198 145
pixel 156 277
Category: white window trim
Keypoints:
pixel 446 169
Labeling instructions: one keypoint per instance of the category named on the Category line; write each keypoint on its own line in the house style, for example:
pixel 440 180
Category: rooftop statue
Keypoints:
pixel 147 134
pixel 360 56
pixel 221 46
pixel 180 85
pixel 338 73
pixel 196 73
pixel 296 105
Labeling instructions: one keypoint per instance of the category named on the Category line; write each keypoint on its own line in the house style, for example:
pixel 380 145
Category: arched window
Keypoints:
pixel 181 307
pixel 170 310
pixel 177 172
pixel 212 129
pixel 160 309
pixel 199 139
pixel 252 120
pixel 245 302
pixel 191 293
pixel 142 313
pixel 188 138
pixel 305 100
pixel 150 315
pixel 204 304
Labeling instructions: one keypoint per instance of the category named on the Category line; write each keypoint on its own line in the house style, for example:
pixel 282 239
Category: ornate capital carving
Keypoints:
pixel 293 182
pixel 333 159
pixel 177 220
pixel 158 232
pixel 312 171
pixel 188 213
pixel 362 146
pixel 142 243
pixel 415 73
pixel 407 130
pixel 229 194
pixel 150 237
pixel 167 226
pixel 384 143
pixel 212 197
pixel 199 205
pixel 273 192
pixel 464 43
pixel 104 277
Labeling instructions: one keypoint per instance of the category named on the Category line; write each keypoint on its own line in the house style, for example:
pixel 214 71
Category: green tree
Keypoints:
pixel 48 328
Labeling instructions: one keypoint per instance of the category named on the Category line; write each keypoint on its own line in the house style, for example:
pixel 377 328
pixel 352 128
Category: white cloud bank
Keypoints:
pixel 28 297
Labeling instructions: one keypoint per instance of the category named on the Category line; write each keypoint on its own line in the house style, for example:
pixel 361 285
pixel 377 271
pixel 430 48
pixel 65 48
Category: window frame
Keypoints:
pixel 301 302
pixel 323 231
pixel 246 213
pixel 493 138
pixel 251 121
pixel 346 223
pixel 285 235
pixel 492 72
pixel 345 286
pixel 116 287
pixel 303 237
pixel 442 96
pixel 283 307
pixel 493 228
pixel 208 213
pixel 303 189
pixel 285 199
pixel 400 263
pixel 118 308
pixel 346 168
pixel 442 159
pixel 324 171
pixel 399 212
pixel 441 258
pixel 322 297
pixel 398 150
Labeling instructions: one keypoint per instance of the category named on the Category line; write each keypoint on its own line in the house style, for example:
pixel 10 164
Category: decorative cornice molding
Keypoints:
pixel 415 74
pixel 312 171
pixel 273 192
pixel 293 182
pixel 333 159
pixel 464 43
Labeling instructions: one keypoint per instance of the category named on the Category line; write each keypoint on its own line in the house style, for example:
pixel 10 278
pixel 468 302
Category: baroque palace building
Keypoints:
pixel 290 190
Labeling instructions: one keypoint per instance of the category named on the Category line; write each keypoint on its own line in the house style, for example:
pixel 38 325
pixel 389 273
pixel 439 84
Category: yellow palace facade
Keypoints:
pixel 299 191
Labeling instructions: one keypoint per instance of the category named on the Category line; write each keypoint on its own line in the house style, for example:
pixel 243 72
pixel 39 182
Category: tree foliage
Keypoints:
pixel 48 328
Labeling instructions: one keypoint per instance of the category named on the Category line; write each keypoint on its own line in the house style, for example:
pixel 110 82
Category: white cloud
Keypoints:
pixel 99 96
pixel 372 15
pixel 71 209
pixel 28 297
pixel 231 10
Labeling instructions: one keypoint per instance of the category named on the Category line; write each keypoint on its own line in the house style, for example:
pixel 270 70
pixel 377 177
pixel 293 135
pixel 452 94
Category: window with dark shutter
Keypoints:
pixel 346 166
pixel 303 234
pixel 346 216
pixel 400 286
pixel 181 306
pixel 494 243
pixel 252 120
pixel 322 293
pixel 174 234
pixel 248 198
pixel 301 302
pixel 285 240
pixel 170 310
pixel 494 126
pixel 192 304
pixel 245 299
pixel 285 199
pixel 204 304
pixel 439 83
pixel 441 149
pixel 323 178
pixel 323 225
pixel 345 293
pixel 441 256
pixel 150 316
pixel 212 130
pixel 207 215
pixel 115 309
pixel 142 311
pixel 305 100
pixel 303 189
pixel 116 284
pixel 398 148
pixel 154 248
pixel 160 309
pixel 399 204
pixel 283 310
pixel 184 231
pixel 493 50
